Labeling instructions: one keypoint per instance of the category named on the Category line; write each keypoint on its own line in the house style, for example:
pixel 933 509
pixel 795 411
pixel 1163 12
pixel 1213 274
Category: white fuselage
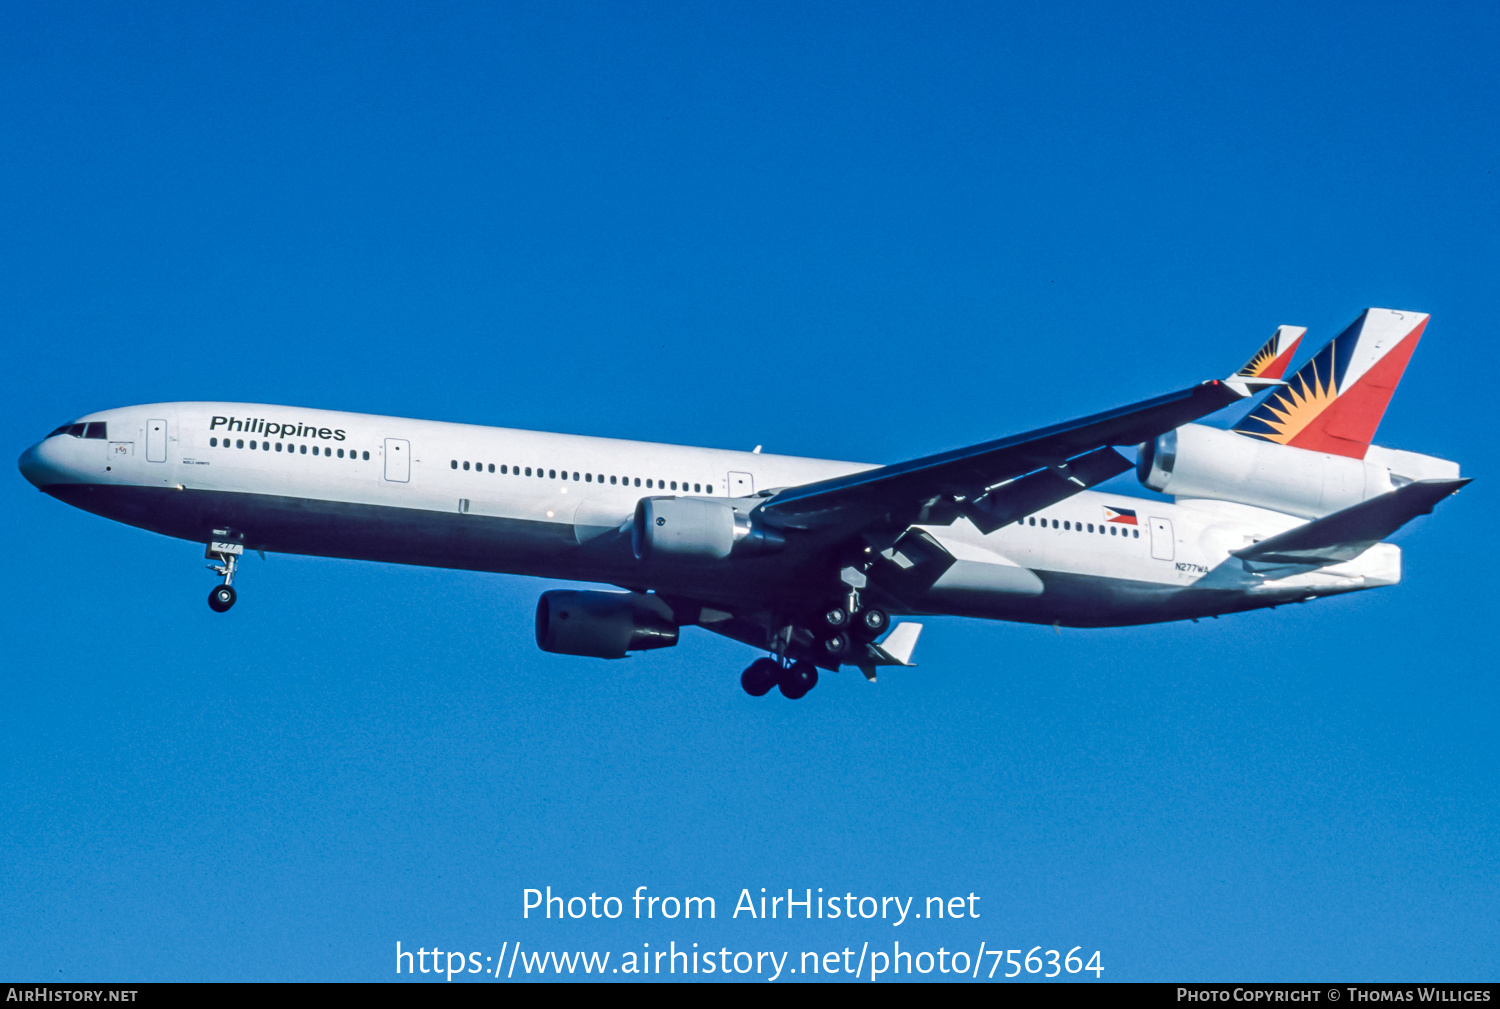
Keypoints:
pixel 554 505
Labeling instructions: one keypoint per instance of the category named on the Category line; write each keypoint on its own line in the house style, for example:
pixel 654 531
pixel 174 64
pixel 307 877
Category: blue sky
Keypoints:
pixel 859 231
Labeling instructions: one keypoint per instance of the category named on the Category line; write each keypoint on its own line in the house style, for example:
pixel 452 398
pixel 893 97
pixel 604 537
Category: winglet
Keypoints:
pixel 1273 357
pixel 1268 364
pixel 1250 386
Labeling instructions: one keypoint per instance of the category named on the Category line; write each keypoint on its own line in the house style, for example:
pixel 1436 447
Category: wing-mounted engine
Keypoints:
pixel 603 625
pixel 1204 462
pixel 698 529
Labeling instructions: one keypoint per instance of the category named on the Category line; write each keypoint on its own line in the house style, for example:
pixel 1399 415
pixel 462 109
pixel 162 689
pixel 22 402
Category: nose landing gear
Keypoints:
pixel 221 598
pixel 228 555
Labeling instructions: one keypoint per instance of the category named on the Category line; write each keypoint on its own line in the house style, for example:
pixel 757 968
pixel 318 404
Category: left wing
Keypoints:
pixel 995 482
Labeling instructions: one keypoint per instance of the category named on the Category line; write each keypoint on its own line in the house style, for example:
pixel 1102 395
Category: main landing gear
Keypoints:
pixel 228 555
pixel 837 634
pixel 794 679
pixel 846 625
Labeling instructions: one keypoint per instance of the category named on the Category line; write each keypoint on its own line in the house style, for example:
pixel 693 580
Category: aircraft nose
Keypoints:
pixel 38 466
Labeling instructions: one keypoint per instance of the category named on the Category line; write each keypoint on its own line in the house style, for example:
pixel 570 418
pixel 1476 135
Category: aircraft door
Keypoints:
pixel 397 460
pixel 156 441
pixel 741 485
pixel 1162 545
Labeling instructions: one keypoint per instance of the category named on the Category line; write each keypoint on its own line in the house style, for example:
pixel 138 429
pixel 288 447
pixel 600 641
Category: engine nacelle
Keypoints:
pixel 1203 462
pixel 602 625
pixel 696 529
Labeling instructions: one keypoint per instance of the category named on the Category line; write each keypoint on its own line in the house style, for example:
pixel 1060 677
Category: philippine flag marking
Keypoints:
pixel 1122 516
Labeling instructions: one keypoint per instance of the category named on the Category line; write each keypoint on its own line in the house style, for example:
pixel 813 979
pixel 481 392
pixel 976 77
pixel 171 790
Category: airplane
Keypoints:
pixel 808 559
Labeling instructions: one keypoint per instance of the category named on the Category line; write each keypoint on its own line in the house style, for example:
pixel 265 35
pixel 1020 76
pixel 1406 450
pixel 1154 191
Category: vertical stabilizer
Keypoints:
pixel 1336 400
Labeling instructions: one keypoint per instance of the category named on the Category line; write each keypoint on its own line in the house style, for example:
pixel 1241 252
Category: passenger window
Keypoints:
pixel 1135 533
pixel 575 476
pixel 1091 527
pixel 365 456
pixel 1067 524
pixel 611 481
pixel 1113 531
pixel 213 443
pixel 674 484
pixel 504 469
pixel 240 443
pixel 302 449
pixel 697 489
pixel 492 467
pixel 528 471
pixel 552 474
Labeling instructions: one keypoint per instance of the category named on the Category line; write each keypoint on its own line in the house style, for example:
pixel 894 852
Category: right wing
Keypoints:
pixel 997 481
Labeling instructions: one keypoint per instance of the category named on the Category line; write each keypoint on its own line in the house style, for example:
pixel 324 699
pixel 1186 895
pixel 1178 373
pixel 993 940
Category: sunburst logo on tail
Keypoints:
pixel 1290 410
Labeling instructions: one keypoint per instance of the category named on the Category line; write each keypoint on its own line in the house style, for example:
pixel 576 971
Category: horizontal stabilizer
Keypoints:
pixel 1346 534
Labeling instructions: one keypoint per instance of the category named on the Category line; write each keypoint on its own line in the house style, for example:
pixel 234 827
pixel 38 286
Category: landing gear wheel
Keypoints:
pixel 760 677
pixel 797 679
pixel 836 645
pixel 835 616
pixel 221 598
pixel 873 621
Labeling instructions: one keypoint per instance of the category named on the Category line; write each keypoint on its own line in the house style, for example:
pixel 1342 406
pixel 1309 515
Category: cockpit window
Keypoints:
pixel 93 429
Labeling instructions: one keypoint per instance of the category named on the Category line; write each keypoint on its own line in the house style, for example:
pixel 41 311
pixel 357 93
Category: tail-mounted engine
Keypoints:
pixel 696 529
pixel 1203 462
pixel 602 625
